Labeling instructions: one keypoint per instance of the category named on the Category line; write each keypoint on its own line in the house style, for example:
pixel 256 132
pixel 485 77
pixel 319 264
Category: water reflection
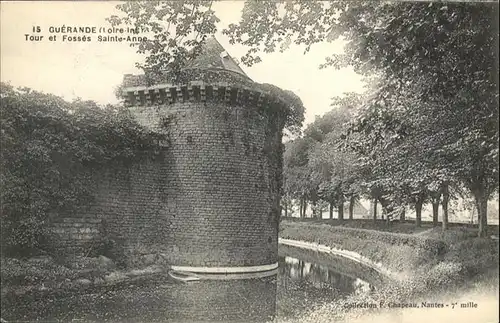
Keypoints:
pixel 319 276
pixel 244 300
pixel 316 267
pixel 307 279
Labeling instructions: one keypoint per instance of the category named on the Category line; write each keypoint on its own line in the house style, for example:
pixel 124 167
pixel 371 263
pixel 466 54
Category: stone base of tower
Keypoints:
pixel 226 270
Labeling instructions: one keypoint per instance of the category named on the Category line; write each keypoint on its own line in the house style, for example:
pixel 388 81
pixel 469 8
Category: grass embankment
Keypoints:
pixel 397 252
pixel 397 226
pixel 429 261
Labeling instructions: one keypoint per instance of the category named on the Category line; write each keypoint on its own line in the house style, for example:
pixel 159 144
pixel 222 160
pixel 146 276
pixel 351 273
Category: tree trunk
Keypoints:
pixel 444 204
pixel 286 208
pixel 375 210
pixel 435 197
pixel 483 218
pixel 388 214
pixel 382 214
pixel 351 207
pixel 313 207
pixel 418 210
pixel 402 216
pixel 331 210
pixel 305 208
pixel 435 210
pixel 482 211
pixel 341 209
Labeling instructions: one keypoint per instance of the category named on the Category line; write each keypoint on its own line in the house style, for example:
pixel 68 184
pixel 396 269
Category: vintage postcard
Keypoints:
pixel 249 161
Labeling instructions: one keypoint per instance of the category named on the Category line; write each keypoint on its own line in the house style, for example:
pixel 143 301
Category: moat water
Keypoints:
pixel 304 279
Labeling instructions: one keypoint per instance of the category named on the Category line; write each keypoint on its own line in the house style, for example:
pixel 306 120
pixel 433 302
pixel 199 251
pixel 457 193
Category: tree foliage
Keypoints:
pixel 433 120
pixel 317 166
pixel 178 29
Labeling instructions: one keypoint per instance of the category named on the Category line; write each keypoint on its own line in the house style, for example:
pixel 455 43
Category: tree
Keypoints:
pixel 297 174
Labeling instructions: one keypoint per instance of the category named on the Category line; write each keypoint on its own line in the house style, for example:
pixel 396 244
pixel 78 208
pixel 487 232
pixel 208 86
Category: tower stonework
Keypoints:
pixel 205 202
pixel 218 178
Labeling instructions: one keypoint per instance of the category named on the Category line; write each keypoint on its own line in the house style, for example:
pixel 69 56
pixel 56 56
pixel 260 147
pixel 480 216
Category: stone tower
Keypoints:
pixel 205 202
pixel 214 193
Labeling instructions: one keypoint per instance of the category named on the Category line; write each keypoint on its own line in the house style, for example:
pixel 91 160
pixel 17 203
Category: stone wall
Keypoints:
pixel 210 199
pixel 77 235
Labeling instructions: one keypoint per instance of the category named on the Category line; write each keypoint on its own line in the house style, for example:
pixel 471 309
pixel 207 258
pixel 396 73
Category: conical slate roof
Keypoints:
pixel 213 64
pixel 214 57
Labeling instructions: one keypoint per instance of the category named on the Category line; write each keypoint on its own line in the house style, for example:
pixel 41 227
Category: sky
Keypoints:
pixel 91 70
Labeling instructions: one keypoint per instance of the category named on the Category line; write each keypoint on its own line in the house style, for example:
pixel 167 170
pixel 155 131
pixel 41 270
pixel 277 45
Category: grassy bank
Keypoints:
pixel 397 226
pixel 431 262
pixel 397 252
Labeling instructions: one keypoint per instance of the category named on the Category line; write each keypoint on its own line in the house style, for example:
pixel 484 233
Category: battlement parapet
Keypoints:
pixel 199 92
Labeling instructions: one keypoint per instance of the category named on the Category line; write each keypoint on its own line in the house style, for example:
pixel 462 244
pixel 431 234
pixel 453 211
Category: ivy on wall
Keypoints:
pixel 49 149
